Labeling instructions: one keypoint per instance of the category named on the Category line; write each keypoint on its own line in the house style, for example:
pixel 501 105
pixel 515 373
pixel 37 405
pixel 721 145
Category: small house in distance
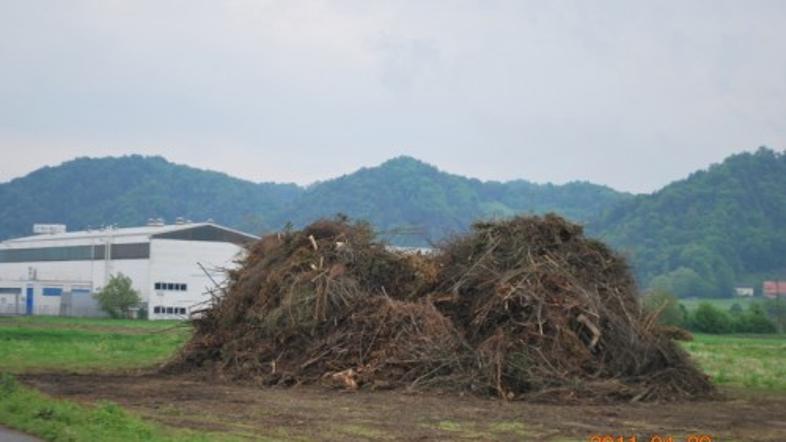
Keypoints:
pixel 773 289
pixel 172 266
pixel 744 292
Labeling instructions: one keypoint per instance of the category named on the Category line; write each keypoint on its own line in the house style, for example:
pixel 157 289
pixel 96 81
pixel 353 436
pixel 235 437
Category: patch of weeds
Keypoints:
pixel 463 430
pixel 7 384
pixel 509 427
pixel 45 413
pixel 53 419
pixel 170 410
pixel 363 431
pixel 449 426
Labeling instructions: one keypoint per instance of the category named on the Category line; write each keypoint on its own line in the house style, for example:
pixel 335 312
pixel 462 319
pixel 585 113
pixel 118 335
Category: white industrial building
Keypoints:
pixel 172 266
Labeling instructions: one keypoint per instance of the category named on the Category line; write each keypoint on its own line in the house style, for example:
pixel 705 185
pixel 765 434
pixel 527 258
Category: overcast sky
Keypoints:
pixel 631 94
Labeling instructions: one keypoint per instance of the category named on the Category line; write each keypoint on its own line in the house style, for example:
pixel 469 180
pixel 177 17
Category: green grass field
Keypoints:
pixel 743 361
pixel 39 344
pixel 35 344
pixel 58 420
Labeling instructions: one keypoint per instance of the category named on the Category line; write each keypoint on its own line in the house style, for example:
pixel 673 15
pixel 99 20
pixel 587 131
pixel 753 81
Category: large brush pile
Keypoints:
pixel 526 308
pixel 328 300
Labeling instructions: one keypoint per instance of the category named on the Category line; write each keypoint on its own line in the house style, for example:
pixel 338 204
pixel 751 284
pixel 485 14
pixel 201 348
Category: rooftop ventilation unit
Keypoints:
pixel 48 229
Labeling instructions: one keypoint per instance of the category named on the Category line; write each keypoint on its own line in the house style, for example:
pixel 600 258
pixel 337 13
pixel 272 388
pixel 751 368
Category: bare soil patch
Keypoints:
pixel 316 413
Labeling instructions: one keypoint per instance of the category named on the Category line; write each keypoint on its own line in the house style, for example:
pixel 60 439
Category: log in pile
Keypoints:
pixel 527 308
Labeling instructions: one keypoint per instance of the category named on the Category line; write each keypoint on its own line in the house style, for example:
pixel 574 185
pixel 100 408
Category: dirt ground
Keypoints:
pixel 316 413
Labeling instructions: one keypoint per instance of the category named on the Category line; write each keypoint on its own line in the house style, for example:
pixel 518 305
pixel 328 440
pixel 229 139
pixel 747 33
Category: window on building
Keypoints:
pixel 75 253
pixel 130 251
pixel 52 291
pixel 170 310
pixel 171 286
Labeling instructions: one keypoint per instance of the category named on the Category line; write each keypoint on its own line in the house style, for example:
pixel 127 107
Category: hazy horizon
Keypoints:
pixel 628 95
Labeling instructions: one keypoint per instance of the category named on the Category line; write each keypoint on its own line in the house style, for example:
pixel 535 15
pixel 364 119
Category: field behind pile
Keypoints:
pixel 77 378
pixel 752 362
pixel 38 343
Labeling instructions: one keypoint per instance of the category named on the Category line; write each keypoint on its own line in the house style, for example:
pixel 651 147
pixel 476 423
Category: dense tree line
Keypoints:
pixel 127 191
pixel 410 202
pixel 696 237
pixel 413 203
pixel 766 316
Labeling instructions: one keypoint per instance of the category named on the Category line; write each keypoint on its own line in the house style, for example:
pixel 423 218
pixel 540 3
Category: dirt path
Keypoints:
pixel 313 413
pixel 8 435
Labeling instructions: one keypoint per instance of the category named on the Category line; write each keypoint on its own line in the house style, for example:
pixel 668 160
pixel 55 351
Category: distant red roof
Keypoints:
pixel 773 288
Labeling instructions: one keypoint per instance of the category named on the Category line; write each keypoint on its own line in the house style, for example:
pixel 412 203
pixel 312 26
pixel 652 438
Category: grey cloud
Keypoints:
pixel 629 94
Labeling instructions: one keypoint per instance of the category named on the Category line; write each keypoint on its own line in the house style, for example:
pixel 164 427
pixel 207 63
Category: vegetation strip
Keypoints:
pixel 85 345
pixel 27 410
pixel 750 362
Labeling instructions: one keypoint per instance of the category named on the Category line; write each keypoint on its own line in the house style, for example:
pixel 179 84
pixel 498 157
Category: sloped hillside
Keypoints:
pixel 129 190
pixel 414 203
pixel 701 235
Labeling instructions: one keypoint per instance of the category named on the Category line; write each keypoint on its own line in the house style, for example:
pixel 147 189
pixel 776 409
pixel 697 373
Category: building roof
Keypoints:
pixel 184 231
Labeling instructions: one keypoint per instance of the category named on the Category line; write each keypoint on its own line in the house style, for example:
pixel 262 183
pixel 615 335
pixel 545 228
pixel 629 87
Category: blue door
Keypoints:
pixel 29 300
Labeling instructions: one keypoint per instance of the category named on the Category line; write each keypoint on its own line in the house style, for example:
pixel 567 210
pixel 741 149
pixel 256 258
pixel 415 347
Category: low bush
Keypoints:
pixel 754 320
pixel 667 307
pixel 709 319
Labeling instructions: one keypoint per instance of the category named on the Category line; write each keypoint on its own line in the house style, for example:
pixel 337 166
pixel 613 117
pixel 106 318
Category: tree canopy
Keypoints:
pixel 702 235
pixel 118 297
pixel 695 237
pixel 401 195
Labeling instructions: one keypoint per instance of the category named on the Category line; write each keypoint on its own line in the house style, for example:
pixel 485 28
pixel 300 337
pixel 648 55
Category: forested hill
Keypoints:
pixel 698 236
pixel 127 191
pixel 402 195
pixel 701 235
pixel 413 203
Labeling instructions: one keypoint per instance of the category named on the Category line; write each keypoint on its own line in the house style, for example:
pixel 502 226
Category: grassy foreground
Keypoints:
pixel 39 344
pixel 57 420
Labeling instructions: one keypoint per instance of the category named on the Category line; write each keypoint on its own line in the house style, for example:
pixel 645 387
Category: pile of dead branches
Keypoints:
pixel 550 312
pixel 525 308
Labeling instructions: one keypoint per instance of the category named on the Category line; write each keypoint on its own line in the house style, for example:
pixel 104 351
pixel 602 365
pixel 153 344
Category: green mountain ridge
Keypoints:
pixel 699 236
pixel 415 203
pixel 702 235
pixel 129 190
pixel 402 194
